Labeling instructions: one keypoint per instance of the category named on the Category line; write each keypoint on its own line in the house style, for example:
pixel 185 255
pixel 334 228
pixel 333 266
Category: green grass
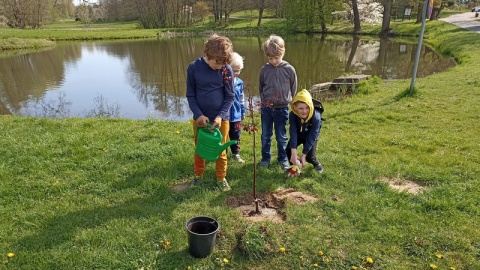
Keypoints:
pixel 96 193
pixel 72 30
pixel 20 44
pixel 72 24
pixel 240 23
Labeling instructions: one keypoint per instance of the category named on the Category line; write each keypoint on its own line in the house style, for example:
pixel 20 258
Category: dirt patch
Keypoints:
pixel 181 187
pixel 403 185
pixel 270 205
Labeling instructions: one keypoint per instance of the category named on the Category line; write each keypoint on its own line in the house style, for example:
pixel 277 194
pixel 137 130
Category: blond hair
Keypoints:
pixel 274 46
pixel 219 48
pixel 237 61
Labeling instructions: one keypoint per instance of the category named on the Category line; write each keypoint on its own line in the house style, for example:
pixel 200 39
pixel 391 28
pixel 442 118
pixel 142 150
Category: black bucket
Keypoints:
pixel 202 232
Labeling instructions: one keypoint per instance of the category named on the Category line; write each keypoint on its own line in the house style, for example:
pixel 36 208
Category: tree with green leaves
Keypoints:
pixel 305 15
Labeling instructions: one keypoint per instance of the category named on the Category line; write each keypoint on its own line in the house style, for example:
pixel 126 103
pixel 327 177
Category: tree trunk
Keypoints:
pixel 216 10
pixel 356 41
pixel 387 7
pixel 356 17
pixel 324 27
pixel 419 11
pixel 260 16
pixel 436 11
pixel 261 7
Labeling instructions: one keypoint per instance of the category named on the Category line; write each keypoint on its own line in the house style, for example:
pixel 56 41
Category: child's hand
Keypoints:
pixel 294 159
pixel 217 122
pixel 303 161
pixel 202 121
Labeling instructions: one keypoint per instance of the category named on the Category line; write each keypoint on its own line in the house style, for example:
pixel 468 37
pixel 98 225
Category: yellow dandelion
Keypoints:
pixel 438 255
pixel 282 249
pixel 189 267
pixel 433 266
pixel 452 268
pixel 178 132
pixel 326 260
pixel 166 244
pixel 315 265
pixel 369 260
pixel 225 260
pixel 354 268
pixel 10 255
pixel 320 253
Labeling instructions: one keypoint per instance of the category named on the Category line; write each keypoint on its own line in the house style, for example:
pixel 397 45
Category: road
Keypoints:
pixel 465 20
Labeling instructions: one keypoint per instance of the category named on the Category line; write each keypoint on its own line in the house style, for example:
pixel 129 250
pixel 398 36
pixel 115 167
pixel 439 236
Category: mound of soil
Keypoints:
pixel 270 205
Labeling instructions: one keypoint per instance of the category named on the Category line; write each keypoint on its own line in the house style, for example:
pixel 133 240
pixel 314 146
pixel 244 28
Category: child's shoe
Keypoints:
pixel 238 158
pixel 196 182
pixel 223 185
pixel 285 166
pixel 264 163
pixel 319 168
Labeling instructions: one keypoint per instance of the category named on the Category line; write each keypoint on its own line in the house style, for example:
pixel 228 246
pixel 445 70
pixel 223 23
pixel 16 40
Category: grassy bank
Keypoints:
pixel 242 23
pixel 97 193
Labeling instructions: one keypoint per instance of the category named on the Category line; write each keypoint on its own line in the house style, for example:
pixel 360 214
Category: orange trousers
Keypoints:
pixel 220 163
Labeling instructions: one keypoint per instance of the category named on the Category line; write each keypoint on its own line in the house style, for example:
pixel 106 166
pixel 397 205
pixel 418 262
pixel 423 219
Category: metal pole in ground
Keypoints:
pixel 419 46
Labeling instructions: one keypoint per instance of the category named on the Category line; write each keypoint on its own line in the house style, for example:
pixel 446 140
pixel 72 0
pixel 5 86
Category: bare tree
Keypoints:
pixel 200 10
pixel 260 4
pixel 84 12
pixel 27 13
pixel 217 10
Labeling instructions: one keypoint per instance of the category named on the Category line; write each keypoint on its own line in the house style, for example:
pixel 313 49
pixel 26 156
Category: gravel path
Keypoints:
pixel 465 20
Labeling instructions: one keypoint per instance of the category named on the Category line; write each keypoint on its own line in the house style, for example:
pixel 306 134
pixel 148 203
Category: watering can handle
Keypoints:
pixel 210 128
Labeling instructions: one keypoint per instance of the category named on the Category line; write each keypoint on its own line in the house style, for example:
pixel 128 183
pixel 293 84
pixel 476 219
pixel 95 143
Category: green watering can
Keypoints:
pixel 209 143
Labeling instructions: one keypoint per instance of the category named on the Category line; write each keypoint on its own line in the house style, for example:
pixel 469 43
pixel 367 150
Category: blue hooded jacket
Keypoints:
pixel 237 111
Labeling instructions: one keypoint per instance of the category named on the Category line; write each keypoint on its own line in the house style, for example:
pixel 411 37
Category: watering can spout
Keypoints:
pixel 227 144
pixel 209 143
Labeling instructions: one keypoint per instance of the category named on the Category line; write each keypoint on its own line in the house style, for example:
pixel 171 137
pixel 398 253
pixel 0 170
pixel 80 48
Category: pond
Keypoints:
pixel 141 79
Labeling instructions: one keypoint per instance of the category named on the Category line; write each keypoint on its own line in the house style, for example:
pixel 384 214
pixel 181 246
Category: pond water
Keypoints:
pixel 140 79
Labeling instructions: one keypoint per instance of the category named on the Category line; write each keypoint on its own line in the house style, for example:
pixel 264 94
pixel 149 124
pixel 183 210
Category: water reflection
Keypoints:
pixel 141 79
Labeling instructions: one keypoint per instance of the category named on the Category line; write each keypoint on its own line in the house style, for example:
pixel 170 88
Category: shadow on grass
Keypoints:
pixel 63 228
pixel 406 93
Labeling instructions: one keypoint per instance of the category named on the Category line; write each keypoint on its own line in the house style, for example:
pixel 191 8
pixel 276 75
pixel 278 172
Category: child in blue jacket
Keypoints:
pixel 237 111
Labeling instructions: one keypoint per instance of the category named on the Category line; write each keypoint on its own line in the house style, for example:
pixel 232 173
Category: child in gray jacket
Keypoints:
pixel 277 86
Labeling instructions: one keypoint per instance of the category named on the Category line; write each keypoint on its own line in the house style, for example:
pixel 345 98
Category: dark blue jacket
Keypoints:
pixel 209 92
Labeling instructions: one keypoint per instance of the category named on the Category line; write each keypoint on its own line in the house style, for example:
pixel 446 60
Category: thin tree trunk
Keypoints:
pixel 261 7
pixel 355 42
pixel 356 16
pixel 260 16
